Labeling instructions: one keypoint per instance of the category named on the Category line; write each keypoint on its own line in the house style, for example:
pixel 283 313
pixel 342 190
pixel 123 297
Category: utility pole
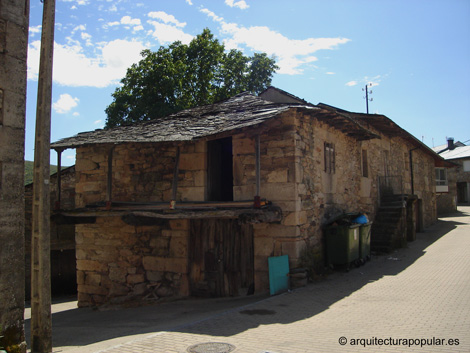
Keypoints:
pixel 367 96
pixel 41 323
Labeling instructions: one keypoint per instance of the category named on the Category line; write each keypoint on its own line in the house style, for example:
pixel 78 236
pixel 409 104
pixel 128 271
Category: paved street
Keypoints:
pixel 413 300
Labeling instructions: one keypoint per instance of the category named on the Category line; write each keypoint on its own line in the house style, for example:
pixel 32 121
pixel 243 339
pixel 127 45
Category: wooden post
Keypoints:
pixel 58 203
pixel 41 324
pixel 175 179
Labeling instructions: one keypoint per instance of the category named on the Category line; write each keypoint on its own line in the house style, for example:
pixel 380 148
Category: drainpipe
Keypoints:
pixel 175 179
pixel 109 186
pixel 411 170
pixel 257 201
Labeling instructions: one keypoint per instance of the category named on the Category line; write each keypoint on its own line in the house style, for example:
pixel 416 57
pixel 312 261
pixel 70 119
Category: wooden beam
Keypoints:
pixel 264 215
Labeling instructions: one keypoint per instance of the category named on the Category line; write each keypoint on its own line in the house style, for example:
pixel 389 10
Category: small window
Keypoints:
pixel 466 166
pixel 365 164
pixel 441 176
pixel 329 158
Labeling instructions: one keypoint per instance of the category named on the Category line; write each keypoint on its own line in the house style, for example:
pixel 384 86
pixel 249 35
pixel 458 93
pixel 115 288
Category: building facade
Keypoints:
pixel 196 203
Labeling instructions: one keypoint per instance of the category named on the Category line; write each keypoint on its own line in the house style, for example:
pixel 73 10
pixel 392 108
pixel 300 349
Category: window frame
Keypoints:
pixel 439 180
pixel 364 164
pixel 329 157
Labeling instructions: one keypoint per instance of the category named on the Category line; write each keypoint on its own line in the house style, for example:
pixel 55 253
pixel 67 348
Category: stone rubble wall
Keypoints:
pixel 117 262
pixel 326 195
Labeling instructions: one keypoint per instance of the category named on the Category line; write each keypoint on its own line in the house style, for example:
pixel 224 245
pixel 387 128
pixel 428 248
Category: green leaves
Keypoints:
pixel 183 76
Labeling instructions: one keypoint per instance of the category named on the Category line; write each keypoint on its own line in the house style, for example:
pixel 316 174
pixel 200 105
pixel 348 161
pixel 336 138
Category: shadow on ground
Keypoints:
pixel 230 316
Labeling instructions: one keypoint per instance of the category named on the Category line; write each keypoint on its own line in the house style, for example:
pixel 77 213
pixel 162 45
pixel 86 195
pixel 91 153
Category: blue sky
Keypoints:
pixel 415 53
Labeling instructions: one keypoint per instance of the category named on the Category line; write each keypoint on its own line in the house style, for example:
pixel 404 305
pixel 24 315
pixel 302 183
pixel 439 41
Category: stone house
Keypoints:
pixel 194 203
pixel 63 263
pixel 453 184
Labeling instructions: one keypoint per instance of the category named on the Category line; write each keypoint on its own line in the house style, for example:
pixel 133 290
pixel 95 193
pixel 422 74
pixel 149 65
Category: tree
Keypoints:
pixel 183 76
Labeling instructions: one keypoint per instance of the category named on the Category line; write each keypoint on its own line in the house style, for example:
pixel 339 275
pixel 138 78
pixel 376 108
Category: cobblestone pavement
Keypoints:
pixel 419 295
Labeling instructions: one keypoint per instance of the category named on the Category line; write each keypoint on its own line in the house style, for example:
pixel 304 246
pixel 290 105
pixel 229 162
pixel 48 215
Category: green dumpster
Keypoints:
pixel 364 241
pixel 342 244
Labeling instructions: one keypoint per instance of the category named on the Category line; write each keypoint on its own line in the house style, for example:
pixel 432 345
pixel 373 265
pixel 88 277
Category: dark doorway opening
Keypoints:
pixel 462 192
pixel 220 170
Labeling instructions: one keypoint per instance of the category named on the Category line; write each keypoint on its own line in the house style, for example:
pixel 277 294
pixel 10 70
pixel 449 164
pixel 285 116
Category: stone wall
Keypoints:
pixel 14 20
pixel 117 261
pixel 325 195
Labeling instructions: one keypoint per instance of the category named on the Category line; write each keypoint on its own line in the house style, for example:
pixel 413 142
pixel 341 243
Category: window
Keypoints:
pixel 329 158
pixel 406 158
pixel 365 166
pixel 466 166
pixel 441 180
pixel 441 176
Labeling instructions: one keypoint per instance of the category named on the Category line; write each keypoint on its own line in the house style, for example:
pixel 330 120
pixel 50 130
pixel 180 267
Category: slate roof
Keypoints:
pixel 385 125
pixel 456 153
pixel 240 111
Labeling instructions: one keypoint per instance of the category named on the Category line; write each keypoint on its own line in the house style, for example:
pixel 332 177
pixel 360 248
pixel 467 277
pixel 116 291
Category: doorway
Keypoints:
pixel 221 258
pixel 462 192
pixel 220 170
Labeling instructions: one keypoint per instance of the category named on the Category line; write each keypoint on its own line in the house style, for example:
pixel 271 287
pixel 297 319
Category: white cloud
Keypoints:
pixel 79 2
pixel 212 15
pixel 189 2
pixel 34 30
pixel 79 28
pixel 128 20
pixel 76 114
pixel 168 34
pixel 97 122
pixel 369 81
pixel 240 4
pixel 65 103
pixel 85 36
pixel 73 67
pixel 166 18
pixel 291 54
pixel 331 73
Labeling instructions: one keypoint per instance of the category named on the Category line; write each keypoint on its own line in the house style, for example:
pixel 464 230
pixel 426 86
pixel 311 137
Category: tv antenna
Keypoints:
pixel 365 89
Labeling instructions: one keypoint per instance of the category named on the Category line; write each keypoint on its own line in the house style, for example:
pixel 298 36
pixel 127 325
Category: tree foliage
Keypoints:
pixel 183 76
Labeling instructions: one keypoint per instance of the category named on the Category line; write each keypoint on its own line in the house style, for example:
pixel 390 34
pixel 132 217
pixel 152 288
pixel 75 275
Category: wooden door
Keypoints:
pixel 221 258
